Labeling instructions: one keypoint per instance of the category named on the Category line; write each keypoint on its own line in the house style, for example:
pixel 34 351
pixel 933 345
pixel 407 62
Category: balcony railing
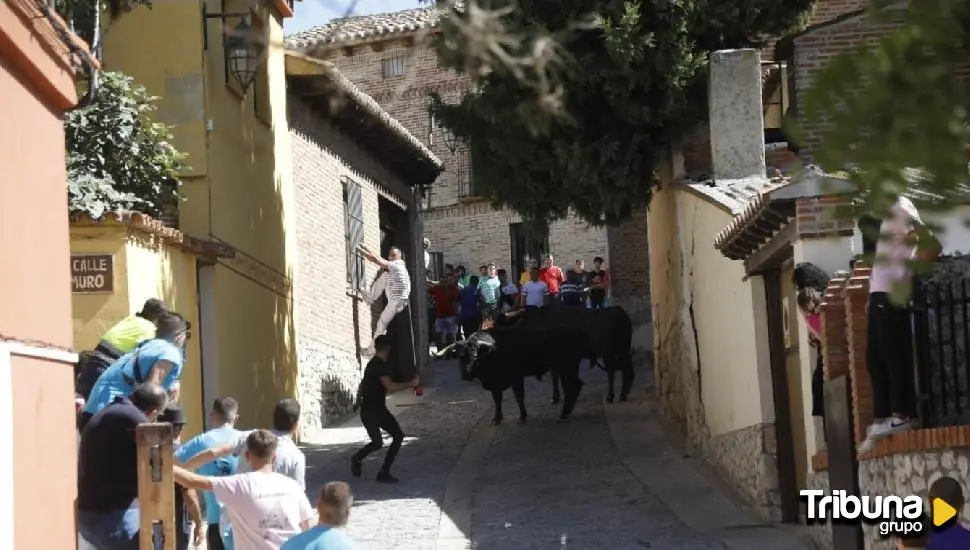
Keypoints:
pixel 941 304
pixel 464 175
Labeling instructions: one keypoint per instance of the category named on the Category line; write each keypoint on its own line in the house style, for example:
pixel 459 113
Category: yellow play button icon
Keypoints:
pixel 942 512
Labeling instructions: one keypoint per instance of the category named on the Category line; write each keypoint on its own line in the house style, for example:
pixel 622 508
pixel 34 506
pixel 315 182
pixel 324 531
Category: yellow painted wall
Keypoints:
pixel 145 267
pixel 240 188
pixel 94 314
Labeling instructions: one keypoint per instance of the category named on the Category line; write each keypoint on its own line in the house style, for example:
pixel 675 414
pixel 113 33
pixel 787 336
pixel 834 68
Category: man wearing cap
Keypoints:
pixel 158 360
pixel 186 500
pixel 119 340
pixel 889 354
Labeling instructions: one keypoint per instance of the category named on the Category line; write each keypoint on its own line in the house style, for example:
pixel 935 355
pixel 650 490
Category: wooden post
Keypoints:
pixel 156 486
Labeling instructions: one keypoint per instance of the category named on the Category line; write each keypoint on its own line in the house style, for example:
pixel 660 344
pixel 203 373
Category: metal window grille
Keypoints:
pixel 392 66
pixel 353 233
pixel 463 173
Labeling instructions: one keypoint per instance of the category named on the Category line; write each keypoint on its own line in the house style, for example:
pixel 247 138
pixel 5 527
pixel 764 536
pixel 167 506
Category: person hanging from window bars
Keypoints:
pixel 394 282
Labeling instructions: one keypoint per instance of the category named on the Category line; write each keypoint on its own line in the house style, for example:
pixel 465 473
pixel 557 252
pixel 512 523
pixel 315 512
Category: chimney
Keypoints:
pixel 736 115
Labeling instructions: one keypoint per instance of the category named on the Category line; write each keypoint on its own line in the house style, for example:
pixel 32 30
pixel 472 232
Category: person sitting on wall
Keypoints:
pixel 119 340
pixel 158 360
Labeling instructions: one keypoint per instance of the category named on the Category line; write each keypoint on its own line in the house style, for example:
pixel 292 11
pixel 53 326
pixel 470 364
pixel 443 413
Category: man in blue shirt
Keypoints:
pixel 333 507
pixel 471 315
pixel 107 469
pixel 953 535
pixel 158 361
pixel 225 410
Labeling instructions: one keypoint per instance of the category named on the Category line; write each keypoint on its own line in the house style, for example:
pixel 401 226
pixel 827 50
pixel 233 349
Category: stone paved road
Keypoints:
pixel 542 485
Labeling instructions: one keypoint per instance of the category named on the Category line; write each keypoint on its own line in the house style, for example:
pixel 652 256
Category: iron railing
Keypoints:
pixel 941 330
pixel 463 173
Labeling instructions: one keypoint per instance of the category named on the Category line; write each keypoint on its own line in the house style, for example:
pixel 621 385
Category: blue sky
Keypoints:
pixel 310 13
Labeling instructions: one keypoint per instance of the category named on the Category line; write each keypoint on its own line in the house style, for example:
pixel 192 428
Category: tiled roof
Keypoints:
pixel 754 210
pixel 362 27
pixel 144 223
pixel 733 194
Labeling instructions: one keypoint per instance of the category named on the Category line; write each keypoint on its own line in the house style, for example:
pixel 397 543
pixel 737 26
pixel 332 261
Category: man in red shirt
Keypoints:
pixel 445 295
pixel 551 275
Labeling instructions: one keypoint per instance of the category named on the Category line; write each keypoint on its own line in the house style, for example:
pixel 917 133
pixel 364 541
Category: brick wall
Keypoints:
pixel 468 232
pixel 856 305
pixel 818 217
pixel 329 370
pixel 814 49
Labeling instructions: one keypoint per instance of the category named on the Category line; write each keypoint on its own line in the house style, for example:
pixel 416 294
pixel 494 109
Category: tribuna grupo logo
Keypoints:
pixel 890 514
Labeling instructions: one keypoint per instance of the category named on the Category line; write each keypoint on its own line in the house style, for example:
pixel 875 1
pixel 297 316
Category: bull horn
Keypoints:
pixel 446 349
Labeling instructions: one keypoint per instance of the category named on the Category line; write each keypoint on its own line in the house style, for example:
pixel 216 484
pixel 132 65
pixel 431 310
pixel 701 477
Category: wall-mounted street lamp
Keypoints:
pixel 452 142
pixel 241 53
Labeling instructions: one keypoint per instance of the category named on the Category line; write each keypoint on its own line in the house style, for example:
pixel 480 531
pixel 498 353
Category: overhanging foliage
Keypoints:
pixel 626 87
pixel 117 157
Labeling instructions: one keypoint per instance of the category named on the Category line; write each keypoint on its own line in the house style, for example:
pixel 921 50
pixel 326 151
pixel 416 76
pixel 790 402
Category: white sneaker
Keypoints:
pixel 880 430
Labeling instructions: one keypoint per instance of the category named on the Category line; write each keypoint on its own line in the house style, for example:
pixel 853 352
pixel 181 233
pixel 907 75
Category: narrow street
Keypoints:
pixel 609 477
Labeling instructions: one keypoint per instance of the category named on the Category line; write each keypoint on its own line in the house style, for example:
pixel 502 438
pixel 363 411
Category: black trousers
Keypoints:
pixel 889 355
pixel 818 386
pixel 375 420
pixel 213 537
pixel 470 326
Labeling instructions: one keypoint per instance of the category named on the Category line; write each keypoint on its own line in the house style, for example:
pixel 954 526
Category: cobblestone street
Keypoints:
pixel 543 485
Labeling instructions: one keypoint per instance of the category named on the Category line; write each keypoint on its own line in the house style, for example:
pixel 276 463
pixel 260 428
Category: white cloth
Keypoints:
pixel 396 281
pixel 535 292
pixel 395 304
pixel 427 260
pixel 892 251
pixel 265 509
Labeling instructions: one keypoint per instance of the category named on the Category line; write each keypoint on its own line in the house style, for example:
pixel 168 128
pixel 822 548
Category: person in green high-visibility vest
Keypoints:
pixel 120 339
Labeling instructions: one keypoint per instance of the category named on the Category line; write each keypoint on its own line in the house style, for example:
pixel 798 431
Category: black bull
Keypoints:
pixel 536 341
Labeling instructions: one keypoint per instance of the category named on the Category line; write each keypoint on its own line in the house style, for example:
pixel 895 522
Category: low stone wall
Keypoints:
pixel 911 473
pixel 747 460
pixel 821 532
pixel 327 386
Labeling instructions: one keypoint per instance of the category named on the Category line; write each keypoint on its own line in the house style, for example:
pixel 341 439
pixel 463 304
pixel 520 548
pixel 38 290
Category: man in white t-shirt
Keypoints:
pixel 395 283
pixel 535 292
pixel 266 508
pixel 889 352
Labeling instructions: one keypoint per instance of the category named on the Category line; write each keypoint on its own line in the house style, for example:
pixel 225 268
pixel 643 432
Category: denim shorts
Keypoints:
pixel 116 530
pixel 447 325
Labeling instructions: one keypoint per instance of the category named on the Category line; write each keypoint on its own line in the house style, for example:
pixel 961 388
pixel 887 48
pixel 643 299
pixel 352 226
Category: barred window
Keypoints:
pixel 392 66
pixel 353 233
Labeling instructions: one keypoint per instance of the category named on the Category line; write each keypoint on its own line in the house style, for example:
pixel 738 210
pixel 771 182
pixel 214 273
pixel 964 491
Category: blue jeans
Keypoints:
pixel 115 530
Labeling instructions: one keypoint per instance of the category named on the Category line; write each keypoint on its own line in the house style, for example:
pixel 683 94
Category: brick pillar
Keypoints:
pixel 835 346
pixel 856 302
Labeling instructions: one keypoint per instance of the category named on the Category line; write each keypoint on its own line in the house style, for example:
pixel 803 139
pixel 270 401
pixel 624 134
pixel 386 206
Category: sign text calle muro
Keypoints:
pixel 92 273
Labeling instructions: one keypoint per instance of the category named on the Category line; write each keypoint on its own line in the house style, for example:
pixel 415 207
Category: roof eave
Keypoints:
pixel 425 166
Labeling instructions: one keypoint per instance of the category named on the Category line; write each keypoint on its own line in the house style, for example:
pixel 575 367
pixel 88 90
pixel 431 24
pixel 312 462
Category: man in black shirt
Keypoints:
pixel 597 280
pixel 107 469
pixel 374 414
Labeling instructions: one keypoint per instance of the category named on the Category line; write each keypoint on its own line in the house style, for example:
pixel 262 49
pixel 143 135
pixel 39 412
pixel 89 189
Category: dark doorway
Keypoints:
pixel 526 244
pixel 787 477
pixel 395 231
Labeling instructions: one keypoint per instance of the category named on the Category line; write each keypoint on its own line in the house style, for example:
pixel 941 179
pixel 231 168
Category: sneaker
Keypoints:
pixel 386 477
pixel 355 467
pixel 871 436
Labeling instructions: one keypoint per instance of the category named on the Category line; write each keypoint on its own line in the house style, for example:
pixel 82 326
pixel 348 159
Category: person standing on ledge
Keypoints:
pixel 889 354
pixel 395 284
pixel 374 414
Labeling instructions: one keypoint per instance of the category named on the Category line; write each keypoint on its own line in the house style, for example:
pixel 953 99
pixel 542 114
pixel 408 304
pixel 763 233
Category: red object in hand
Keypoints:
pixel 418 390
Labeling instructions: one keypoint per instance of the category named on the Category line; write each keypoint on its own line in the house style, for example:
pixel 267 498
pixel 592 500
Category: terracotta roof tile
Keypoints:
pixel 146 224
pixel 361 27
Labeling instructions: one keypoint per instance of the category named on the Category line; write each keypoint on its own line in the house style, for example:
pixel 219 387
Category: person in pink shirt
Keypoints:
pixel 809 300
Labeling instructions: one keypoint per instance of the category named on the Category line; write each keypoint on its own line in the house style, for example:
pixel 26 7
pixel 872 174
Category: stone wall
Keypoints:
pixel 911 473
pixel 326 313
pixel 748 460
pixel 821 532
